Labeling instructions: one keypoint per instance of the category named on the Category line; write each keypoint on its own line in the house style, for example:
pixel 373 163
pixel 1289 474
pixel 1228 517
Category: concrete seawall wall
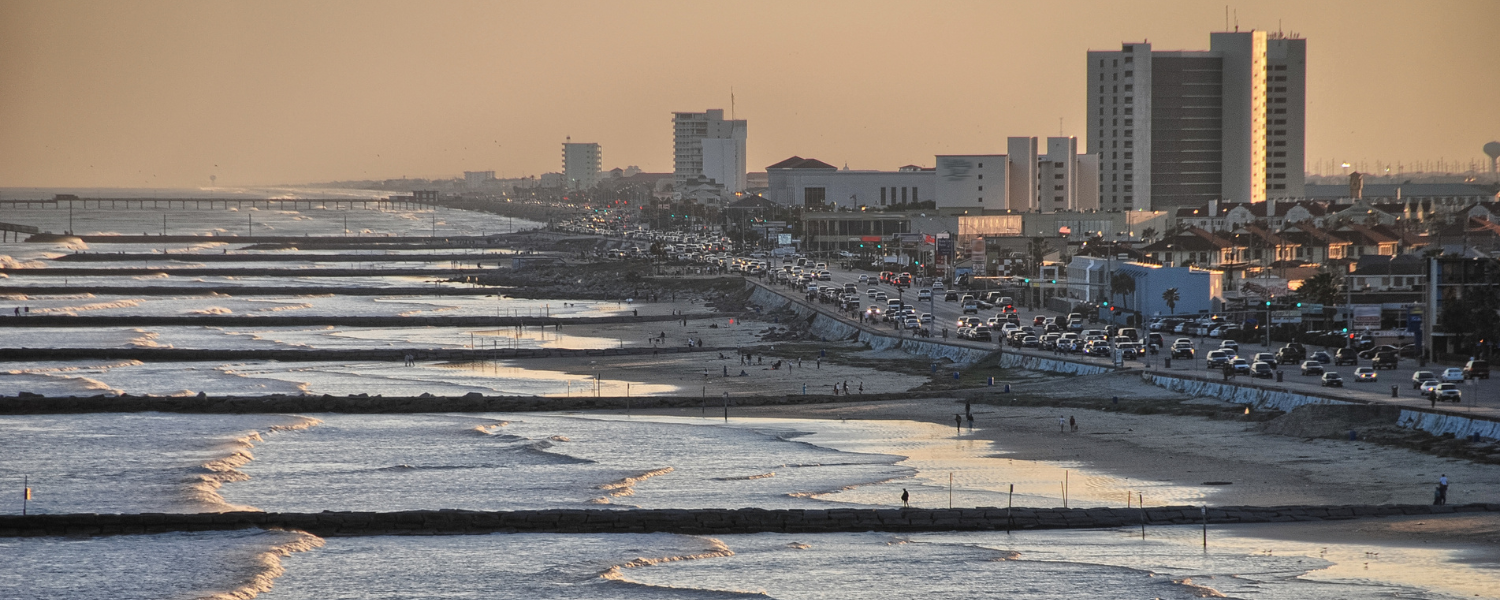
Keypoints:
pixel 1439 424
pixel 1258 397
pixel 1013 360
pixel 699 521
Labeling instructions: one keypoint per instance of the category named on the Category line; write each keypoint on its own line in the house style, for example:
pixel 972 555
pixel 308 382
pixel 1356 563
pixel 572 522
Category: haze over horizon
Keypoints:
pixel 165 94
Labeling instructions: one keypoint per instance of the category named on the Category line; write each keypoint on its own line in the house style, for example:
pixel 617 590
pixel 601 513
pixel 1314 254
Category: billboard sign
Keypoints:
pixel 784 239
pixel 1365 316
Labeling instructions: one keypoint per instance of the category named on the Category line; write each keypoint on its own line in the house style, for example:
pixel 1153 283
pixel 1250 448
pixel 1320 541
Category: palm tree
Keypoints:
pixel 1121 284
pixel 1148 234
pixel 1171 297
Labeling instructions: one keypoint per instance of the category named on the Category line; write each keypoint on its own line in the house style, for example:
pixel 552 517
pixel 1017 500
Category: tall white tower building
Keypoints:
pixel 580 165
pixel 705 144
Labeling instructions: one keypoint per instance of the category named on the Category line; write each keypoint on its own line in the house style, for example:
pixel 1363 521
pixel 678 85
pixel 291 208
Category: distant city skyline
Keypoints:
pixel 169 94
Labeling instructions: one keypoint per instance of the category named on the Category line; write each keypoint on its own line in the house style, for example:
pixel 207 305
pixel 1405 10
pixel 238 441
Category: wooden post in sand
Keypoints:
pixel 1141 501
pixel 1009 501
pixel 1204 508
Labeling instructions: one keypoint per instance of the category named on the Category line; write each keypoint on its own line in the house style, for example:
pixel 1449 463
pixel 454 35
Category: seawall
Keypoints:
pixel 701 521
pixel 330 354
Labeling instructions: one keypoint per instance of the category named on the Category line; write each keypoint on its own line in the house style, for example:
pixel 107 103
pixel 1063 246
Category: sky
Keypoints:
pixel 166 94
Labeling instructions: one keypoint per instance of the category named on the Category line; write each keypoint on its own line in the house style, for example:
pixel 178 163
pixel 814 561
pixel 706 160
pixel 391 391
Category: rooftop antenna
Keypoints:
pixel 1236 20
pixel 731 103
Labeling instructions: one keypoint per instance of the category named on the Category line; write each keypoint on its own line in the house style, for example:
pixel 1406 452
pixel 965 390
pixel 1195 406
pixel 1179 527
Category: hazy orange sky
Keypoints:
pixel 164 94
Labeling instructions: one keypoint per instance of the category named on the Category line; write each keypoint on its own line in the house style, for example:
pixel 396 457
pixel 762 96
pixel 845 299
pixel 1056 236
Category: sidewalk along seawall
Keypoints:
pixel 1436 423
pixel 832 328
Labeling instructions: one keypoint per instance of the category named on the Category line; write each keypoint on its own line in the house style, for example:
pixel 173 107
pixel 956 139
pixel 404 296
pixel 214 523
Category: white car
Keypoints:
pixel 1365 374
pixel 1452 375
pixel 924 295
pixel 1425 389
pixel 926 317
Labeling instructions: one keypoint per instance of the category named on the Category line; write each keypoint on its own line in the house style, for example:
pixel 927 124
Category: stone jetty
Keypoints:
pixel 708 521
pixel 341 321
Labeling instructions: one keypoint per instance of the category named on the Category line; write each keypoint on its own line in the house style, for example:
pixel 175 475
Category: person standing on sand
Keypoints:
pixel 1073 425
pixel 905 498
pixel 1442 490
pixel 1062 425
pixel 958 422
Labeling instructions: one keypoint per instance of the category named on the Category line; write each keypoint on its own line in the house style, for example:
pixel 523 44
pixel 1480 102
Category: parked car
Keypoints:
pixel 1452 375
pixel 1477 369
pixel 1421 376
pixel 1312 367
pixel 1331 379
pixel 1345 356
pixel 1366 374
pixel 1447 392
pixel 1322 357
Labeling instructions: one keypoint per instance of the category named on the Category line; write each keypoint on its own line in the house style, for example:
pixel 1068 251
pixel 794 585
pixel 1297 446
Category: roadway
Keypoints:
pixel 1480 397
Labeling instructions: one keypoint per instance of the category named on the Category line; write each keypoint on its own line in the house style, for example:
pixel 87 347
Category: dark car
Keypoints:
pixel 950 297
pixel 1182 352
pixel 1385 360
pixel 1263 370
pixel 1345 356
pixel 1477 369
pixel 1376 351
pixel 1332 380
pixel 1322 357
pixel 1312 367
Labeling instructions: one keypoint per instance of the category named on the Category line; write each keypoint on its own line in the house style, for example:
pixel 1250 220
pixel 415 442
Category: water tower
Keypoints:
pixel 1493 150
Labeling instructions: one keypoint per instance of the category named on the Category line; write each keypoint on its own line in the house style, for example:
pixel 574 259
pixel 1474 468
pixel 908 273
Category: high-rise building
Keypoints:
pixel 1180 128
pixel 706 145
pixel 580 165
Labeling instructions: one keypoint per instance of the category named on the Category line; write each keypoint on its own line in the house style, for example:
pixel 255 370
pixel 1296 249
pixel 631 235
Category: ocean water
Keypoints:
pixel 500 461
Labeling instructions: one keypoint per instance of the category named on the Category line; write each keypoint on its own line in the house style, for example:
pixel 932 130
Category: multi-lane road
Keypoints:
pixel 1480 398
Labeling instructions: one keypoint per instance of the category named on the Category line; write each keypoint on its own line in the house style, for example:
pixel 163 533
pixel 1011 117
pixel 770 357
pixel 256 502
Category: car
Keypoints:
pixel 1240 365
pixel 1217 359
pixel 1029 341
pixel 1447 392
pixel 1452 375
pixel 1331 379
pixel 971 307
pixel 950 296
pixel 1038 321
pixel 1425 389
pixel 1230 345
pixel 1345 356
pixel 871 293
pixel 1477 369
pixel 1182 352
pixel 1366 374
pixel 924 295
pixel 1312 367
pixel 1262 370
pixel 1373 352
pixel 926 317
pixel 1265 357
pixel 864 278
pixel 1385 360
pixel 1421 376
pixel 1322 357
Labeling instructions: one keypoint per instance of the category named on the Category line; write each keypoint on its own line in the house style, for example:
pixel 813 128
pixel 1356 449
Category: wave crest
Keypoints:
pixel 268 567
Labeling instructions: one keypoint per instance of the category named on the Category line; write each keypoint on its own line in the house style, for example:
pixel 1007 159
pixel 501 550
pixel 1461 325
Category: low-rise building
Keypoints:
pixel 812 183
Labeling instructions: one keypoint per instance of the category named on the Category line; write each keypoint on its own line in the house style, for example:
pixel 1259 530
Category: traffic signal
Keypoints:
pixel 1111 309
pixel 1106 304
pixel 1299 305
pixel 1268 304
pixel 1028 281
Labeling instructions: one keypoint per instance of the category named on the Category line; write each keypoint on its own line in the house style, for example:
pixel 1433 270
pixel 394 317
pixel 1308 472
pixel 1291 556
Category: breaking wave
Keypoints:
pixel 747 477
pixel 10 263
pixel 626 487
pixel 204 487
pixel 267 567
pixel 73 310
pixel 212 310
pixel 715 549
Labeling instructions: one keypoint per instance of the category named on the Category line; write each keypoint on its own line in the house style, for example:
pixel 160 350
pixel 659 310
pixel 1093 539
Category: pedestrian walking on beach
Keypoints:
pixel 968 407
pixel 861 388
pixel 1073 425
pixel 1062 425
pixel 958 422
pixel 971 422
pixel 1441 496
pixel 905 498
